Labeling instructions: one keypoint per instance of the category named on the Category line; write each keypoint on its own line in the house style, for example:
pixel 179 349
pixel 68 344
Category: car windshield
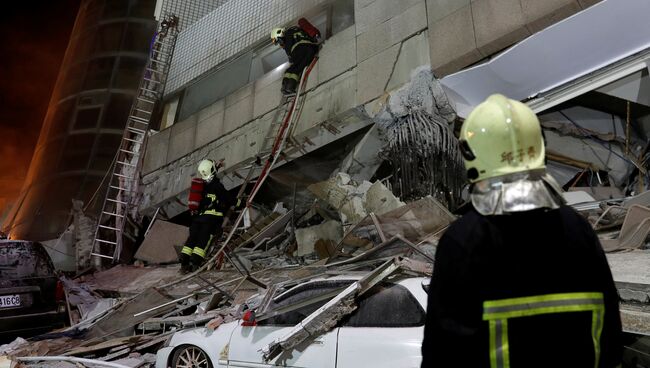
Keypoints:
pixel 21 260
pixel 385 305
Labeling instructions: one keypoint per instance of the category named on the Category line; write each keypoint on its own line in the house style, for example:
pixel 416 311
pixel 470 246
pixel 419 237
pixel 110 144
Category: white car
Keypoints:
pixel 385 331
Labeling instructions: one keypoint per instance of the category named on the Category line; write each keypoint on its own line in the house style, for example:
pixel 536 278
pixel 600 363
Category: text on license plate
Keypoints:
pixel 7 301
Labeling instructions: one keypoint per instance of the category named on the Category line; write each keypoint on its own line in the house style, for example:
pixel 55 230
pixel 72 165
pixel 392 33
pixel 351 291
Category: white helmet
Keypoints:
pixel 277 33
pixel 207 169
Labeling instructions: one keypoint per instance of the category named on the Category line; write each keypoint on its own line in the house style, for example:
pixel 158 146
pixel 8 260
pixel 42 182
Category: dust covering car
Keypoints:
pixel 386 330
pixel 32 299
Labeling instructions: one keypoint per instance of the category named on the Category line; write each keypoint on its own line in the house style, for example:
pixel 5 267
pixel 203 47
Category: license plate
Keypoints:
pixel 7 301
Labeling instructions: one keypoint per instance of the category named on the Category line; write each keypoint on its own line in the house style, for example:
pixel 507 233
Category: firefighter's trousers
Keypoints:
pixel 301 57
pixel 203 230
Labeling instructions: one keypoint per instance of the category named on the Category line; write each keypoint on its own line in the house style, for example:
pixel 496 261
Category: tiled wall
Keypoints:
pixel 227 31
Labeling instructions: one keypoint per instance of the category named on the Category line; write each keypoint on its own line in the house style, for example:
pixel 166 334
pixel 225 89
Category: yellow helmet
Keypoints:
pixel 277 33
pixel 207 169
pixel 500 137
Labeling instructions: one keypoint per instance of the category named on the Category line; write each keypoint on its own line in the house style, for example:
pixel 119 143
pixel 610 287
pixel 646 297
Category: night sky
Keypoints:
pixel 34 36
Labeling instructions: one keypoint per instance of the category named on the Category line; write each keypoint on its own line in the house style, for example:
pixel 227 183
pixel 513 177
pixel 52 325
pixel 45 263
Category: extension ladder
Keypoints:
pixel 122 189
pixel 271 149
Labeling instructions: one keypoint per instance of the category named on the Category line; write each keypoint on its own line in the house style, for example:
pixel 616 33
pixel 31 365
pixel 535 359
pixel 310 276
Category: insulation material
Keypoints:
pixel 425 158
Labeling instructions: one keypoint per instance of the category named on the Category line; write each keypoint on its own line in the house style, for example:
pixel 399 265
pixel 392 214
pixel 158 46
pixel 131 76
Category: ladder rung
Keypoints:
pixel 130 152
pixel 148 90
pixel 105 241
pixel 108 227
pixel 100 255
pixel 112 214
pixel 132 140
pixel 144 111
pixel 157 61
pixel 154 70
pixel 123 176
pixel 145 100
pixel 115 200
pixel 149 80
pixel 139 120
pixel 162 52
pixel 118 188
pixel 125 163
pixel 135 130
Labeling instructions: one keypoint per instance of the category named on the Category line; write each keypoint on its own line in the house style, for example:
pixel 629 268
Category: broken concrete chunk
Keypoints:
pixel 158 246
pixel 379 199
pixel 309 236
pixel 355 201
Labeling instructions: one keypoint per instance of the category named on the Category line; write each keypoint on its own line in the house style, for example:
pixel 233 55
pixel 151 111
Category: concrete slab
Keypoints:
pixel 309 236
pixel 414 54
pixel 374 73
pixel 238 113
pixel 439 9
pixel 159 245
pixel 210 110
pixel 452 42
pixel 209 129
pixel 181 141
pixel 498 24
pixel 541 14
pixel 238 95
pixel 392 31
pixel 378 12
pixel 267 96
pixel 587 3
pixel 337 55
pixel 630 267
pixel 156 153
pixel 316 108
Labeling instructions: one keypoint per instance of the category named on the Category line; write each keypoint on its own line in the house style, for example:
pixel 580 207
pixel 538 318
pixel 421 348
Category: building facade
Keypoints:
pixel 225 79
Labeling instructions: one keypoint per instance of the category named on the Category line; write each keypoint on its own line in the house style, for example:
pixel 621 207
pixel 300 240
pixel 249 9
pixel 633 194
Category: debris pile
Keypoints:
pixel 124 314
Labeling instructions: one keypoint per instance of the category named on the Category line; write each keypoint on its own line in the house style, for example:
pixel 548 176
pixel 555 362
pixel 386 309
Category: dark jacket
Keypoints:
pixel 216 199
pixel 293 37
pixel 527 254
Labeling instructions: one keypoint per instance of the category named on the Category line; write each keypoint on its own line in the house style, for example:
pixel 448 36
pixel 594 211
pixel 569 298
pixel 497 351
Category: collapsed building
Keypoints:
pixel 369 171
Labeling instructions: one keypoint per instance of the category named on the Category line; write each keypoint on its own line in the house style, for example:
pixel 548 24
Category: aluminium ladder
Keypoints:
pixel 271 149
pixel 281 125
pixel 122 189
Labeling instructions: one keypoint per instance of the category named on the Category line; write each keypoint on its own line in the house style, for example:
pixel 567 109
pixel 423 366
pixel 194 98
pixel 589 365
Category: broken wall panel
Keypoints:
pixel 413 222
pixel 159 246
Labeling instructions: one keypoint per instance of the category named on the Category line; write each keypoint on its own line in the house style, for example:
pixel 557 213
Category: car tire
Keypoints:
pixel 190 356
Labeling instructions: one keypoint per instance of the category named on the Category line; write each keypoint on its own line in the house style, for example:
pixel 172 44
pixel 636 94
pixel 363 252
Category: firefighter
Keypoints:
pixel 520 280
pixel 301 48
pixel 207 219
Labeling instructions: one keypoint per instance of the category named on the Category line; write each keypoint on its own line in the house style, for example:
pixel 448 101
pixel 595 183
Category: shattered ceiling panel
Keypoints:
pixel 590 40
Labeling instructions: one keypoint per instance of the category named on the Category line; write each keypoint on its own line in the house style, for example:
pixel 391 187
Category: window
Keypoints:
pixel 300 295
pixel 386 305
pixel 77 151
pixel 87 118
pixel 259 59
pixel 109 37
pixel 98 75
pixel 216 85
pixel 129 72
pixel 117 111
pixel 61 117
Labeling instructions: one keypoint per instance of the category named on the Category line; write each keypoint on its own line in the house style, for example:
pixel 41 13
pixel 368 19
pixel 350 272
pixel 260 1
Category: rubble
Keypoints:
pixel 308 237
pixel 159 246
pixel 355 201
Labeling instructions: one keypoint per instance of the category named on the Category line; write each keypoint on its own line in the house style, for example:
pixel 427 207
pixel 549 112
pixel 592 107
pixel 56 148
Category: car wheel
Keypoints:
pixel 190 356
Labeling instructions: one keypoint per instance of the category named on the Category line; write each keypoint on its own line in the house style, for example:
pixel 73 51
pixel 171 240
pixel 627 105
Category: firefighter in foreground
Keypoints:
pixel 207 218
pixel 520 280
pixel 301 45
